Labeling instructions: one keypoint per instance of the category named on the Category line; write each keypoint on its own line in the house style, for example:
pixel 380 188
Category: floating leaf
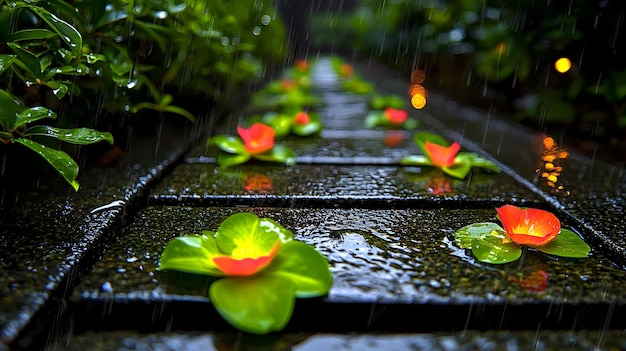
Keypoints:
pixel 229 144
pixel 463 237
pixel 257 305
pixel 566 244
pixel 490 249
pixel 279 153
pixel 232 160
pixel 191 254
pixel 306 268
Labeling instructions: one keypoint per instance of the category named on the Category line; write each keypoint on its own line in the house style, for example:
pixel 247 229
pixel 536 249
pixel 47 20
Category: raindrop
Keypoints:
pixel 160 14
pixel 106 287
pixel 265 20
pixel 256 30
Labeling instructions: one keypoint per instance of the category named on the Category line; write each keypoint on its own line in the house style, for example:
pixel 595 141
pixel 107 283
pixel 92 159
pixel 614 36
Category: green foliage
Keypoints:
pixel 238 154
pixel 127 55
pixel 262 302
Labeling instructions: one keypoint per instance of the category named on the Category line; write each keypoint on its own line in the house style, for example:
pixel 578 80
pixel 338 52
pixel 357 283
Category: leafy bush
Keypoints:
pixel 121 57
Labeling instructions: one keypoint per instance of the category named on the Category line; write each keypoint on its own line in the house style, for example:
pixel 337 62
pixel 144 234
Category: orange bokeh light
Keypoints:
pixel 562 65
pixel 418 76
pixel 418 101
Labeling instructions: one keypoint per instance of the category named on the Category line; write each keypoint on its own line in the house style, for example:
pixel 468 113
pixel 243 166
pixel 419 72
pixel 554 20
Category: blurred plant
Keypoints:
pixel 300 123
pixel 254 142
pixel 534 228
pixel 390 118
pixel 437 152
pixel 263 268
pixel 86 57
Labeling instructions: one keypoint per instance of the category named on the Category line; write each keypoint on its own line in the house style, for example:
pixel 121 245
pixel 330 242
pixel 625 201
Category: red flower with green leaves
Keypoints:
pixel 442 156
pixel 395 116
pixel 529 226
pixel 258 138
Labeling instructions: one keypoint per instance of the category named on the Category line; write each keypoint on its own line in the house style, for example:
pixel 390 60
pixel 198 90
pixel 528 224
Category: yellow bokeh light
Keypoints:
pixel 562 65
pixel 418 101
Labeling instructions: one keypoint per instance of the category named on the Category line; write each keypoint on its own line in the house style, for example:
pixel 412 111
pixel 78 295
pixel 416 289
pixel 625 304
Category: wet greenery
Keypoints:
pixel 97 60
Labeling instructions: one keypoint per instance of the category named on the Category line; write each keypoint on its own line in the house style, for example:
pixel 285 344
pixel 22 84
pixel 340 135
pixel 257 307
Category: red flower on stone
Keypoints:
pixel 529 226
pixel 440 155
pixel 246 266
pixel 302 118
pixel 395 116
pixel 258 138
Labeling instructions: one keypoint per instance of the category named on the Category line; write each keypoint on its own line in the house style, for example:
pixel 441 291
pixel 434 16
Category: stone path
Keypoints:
pixel 79 272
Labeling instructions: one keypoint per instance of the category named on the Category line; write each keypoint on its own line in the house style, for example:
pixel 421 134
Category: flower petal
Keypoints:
pixel 258 138
pixel 529 226
pixel 440 155
pixel 246 266
pixel 395 116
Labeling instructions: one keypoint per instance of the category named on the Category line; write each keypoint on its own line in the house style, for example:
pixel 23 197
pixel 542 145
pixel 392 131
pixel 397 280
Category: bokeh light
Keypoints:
pixel 418 95
pixel 418 76
pixel 562 65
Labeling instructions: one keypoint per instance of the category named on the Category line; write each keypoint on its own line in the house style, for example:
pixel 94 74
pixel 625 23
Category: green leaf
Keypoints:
pixel 180 111
pixel 490 249
pixel 191 254
pixel 416 160
pixel 232 160
pixel 306 268
pixel 5 62
pixel 243 235
pixel 229 144
pixel 478 161
pixel 314 126
pixel 463 237
pixel 68 33
pixel 27 60
pixel 32 114
pixel 31 34
pixel 422 137
pixel 280 122
pixel 374 119
pixel 10 107
pixel 61 161
pixel 79 136
pixel 279 153
pixel 566 244
pixel 257 305
pixel 458 170
pixel 410 124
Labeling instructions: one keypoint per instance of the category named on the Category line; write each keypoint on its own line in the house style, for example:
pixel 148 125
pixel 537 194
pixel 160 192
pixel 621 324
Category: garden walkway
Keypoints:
pixel 78 271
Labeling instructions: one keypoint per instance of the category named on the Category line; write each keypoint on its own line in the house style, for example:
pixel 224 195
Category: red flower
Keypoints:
pixel 529 226
pixel 258 138
pixel 302 118
pixel 442 156
pixel 243 267
pixel 287 84
pixel 395 116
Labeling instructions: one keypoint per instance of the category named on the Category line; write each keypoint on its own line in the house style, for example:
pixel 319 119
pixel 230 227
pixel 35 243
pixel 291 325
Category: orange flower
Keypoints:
pixel 440 155
pixel 302 118
pixel 243 267
pixel 258 138
pixel 529 226
pixel 395 116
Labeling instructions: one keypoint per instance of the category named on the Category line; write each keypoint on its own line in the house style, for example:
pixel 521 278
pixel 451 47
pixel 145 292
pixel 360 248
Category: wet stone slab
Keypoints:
pixel 398 260
pixel 336 185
